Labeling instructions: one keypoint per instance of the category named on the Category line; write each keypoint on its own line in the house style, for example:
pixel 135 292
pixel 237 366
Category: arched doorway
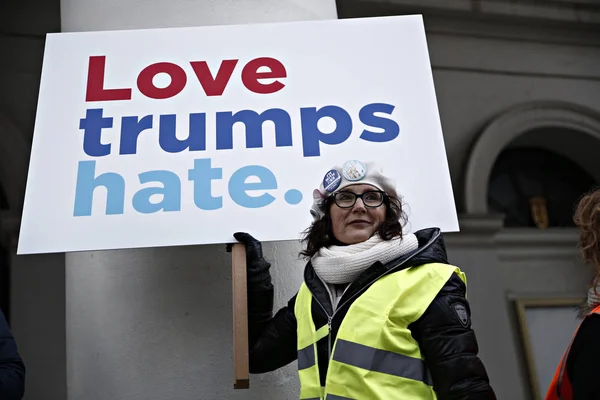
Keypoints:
pixel 568 130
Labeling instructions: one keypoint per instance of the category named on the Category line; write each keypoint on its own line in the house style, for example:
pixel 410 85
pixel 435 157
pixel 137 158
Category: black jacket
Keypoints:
pixel 444 333
pixel 12 369
pixel 582 361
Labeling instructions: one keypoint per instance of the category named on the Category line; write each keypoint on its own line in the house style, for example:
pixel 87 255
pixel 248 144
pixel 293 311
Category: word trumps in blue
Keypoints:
pixel 312 137
pixel 202 176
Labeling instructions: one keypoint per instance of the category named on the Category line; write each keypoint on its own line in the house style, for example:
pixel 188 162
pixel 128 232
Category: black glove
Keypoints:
pixel 256 265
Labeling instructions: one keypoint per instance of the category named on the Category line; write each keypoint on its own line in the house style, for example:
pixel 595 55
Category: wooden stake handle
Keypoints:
pixel 240 317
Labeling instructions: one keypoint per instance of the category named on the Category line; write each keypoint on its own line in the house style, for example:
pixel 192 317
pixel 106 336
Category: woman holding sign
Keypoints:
pixel 380 314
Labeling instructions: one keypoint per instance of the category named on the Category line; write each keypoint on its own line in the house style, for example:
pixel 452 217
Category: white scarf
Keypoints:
pixel 343 264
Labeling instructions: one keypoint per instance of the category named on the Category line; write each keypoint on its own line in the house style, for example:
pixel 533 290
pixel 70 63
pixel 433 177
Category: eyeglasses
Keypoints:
pixel 348 199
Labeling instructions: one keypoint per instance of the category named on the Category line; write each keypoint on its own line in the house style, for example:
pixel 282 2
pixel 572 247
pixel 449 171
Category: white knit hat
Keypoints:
pixel 353 172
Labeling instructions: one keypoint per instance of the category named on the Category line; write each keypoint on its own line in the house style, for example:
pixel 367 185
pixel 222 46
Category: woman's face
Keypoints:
pixel 357 223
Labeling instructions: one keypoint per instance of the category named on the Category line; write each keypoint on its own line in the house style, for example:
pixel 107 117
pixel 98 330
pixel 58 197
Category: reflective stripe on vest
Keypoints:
pixel 308 336
pixel 374 355
pixel 560 388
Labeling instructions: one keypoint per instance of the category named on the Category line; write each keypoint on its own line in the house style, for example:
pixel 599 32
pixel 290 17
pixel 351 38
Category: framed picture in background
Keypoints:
pixel 546 326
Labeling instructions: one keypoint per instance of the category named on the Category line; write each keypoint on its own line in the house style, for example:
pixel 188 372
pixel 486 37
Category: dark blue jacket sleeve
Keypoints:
pixel 12 369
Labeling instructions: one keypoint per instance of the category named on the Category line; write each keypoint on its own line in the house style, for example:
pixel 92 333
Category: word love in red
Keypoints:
pixel 212 85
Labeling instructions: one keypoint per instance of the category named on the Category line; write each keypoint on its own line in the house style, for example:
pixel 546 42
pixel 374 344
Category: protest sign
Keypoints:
pixel 182 136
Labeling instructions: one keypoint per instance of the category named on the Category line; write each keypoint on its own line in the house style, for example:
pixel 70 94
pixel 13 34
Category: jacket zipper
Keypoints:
pixel 330 318
pixel 329 338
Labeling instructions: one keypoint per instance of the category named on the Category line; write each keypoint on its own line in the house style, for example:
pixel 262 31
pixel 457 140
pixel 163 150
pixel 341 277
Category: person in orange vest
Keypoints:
pixel 576 377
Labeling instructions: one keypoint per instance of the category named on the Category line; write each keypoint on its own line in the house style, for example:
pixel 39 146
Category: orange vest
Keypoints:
pixel 560 387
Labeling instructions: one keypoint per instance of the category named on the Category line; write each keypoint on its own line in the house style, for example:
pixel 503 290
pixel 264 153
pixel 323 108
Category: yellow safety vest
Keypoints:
pixel 374 355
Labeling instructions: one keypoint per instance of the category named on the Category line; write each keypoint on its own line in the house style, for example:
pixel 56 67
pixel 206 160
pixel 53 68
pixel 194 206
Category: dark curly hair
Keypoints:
pixel 587 219
pixel 320 233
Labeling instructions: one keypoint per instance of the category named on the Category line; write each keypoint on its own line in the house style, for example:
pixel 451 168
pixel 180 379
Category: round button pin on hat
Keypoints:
pixel 332 180
pixel 354 170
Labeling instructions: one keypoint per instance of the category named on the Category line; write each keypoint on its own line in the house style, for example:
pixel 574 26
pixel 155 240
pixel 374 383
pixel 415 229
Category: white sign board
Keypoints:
pixel 150 138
